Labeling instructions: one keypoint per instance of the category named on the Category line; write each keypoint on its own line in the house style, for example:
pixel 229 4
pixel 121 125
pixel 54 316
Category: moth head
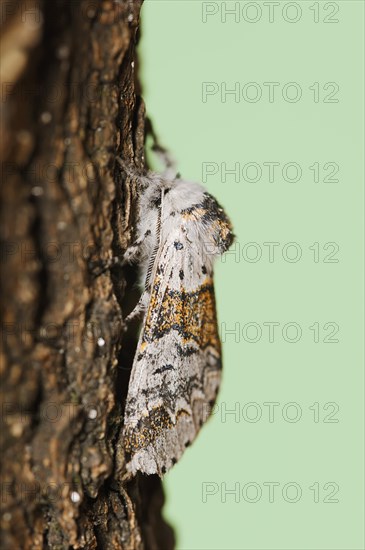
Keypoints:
pixel 157 186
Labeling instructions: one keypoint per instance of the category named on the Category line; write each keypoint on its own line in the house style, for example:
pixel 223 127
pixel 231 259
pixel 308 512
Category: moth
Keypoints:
pixel 181 229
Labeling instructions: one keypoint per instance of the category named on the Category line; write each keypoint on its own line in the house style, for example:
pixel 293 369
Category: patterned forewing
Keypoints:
pixel 176 371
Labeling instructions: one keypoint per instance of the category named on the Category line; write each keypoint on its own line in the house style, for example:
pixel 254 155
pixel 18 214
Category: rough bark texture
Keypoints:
pixel 69 105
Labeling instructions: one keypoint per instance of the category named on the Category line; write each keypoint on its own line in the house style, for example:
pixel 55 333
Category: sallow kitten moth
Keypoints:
pixel 181 230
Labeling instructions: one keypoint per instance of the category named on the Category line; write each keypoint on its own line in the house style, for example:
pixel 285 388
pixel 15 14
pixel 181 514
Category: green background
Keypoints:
pixel 314 437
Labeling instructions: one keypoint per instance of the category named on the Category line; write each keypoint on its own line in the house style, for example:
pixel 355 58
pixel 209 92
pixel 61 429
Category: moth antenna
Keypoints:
pixel 163 153
pixel 157 246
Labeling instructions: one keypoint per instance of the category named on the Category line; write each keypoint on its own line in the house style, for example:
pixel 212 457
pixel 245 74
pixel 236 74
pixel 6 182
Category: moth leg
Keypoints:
pixel 163 154
pixel 139 309
pixel 98 267
pixel 134 250
pixel 133 172
pixel 131 254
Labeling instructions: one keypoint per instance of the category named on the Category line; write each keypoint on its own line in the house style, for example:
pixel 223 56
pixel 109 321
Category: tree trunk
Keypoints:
pixel 70 104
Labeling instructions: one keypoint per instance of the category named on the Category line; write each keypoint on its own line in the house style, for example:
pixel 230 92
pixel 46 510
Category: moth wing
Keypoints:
pixel 177 367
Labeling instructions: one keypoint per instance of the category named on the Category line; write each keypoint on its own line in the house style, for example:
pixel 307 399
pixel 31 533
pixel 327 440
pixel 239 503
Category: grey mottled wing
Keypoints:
pixel 176 370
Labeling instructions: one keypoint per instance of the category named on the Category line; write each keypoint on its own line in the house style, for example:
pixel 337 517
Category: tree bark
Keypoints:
pixel 70 104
